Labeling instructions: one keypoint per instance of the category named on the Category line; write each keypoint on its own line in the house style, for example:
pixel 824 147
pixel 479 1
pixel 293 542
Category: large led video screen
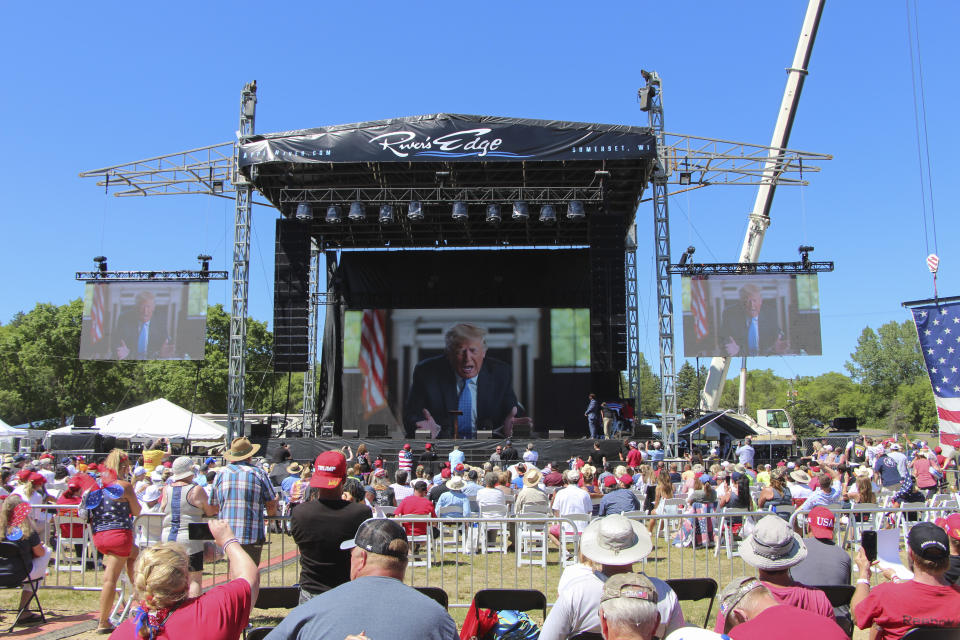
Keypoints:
pixel 406 366
pixel 144 321
pixel 751 315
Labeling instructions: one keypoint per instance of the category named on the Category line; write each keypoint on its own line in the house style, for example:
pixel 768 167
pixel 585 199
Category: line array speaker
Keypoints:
pixel 291 291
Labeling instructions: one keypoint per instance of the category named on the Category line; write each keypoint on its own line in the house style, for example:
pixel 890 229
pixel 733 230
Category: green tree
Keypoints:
pixel 648 384
pixel 765 390
pixel 885 359
pixel 689 385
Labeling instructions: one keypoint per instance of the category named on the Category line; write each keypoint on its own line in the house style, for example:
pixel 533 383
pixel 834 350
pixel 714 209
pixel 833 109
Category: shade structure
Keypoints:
pixel 159 419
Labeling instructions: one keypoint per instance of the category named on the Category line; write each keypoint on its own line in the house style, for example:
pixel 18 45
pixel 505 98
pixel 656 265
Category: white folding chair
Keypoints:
pixel 85 541
pixel 498 529
pixel 531 539
pixel 420 546
pixel 725 533
pixel 571 536
pixel 668 507
pixel 856 522
pixel 450 534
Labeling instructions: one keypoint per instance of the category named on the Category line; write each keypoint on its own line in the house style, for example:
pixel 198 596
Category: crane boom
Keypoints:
pixel 760 216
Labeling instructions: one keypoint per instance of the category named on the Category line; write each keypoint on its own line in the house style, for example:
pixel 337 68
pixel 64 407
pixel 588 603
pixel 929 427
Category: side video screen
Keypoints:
pixel 144 321
pixel 751 315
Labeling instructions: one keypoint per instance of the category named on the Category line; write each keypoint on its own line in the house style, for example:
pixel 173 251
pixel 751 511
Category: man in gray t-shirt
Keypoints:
pixel 378 559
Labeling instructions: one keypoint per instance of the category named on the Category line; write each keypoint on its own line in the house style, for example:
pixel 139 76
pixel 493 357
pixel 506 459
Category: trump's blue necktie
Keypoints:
pixel 465 404
pixel 142 341
pixel 753 338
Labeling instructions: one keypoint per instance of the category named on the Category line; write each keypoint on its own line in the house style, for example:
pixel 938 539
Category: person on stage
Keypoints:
pixel 141 337
pixel 462 379
pixel 748 331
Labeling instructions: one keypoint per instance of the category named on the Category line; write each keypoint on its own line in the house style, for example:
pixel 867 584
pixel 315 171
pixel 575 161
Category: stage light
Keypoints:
pixel 602 173
pixel 548 214
pixel 204 264
pixel 805 255
pixel 333 214
pixel 357 214
pixel 575 210
pixel 415 211
pixel 686 255
pixel 493 214
pixel 101 262
pixel 304 212
pixel 386 214
pixel 459 211
pixel 520 210
pixel 218 186
pixel 685 177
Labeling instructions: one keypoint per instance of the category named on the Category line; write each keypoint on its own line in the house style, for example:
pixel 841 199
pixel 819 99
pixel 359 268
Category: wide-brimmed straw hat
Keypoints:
pixel 800 476
pixel 531 478
pixel 772 545
pixel 240 449
pixel 295 468
pixel 456 483
pixel 615 540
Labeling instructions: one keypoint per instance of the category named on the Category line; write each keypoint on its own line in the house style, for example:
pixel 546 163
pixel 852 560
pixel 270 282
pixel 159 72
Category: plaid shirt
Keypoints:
pixel 242 492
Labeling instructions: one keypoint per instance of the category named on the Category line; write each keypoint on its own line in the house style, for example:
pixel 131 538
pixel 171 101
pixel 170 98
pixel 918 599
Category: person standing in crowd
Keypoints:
pixel 154 455
pixel 826 563
pixel 924 468
pixel 926 600
pixel 826 493
pixel 530 456
pixel 593 416
pixel 609 416
pixel 405 458
pixel 323 522
pixel 951 524
pixel 17 528
pixel 111 511
pixel 428 459
pixel 509 454
pixel 243 492
pixel 888 471
pixel 749 611
pixel 183 503
pixel 634 456
pixel 456 456
pixel 294 469
pixel 378 561
pixel 610 546
pixel 745 452
pixel 168 611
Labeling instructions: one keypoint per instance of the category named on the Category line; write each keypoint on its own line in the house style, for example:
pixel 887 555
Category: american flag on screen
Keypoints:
pixel 698 306
pixel 938 327
pixel 97 312
pixel 373 360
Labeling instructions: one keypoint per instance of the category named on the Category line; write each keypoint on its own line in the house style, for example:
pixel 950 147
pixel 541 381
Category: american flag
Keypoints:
pixel 698 305
pixel 373 360
pixel 97 313
pixel 938 327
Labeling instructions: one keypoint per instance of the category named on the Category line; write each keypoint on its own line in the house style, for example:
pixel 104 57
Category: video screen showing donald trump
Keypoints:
pixel 751 315
pixel 456 373
pixel 144 321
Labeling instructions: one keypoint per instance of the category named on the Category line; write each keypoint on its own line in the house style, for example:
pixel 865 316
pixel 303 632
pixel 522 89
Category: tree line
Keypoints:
pixel 885 386
pixel 41 376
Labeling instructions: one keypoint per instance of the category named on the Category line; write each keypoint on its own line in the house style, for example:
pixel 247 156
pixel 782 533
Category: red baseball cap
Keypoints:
pixel 938 450
pixel 329 470
pixel 951 525
pixel 37 479
pixel 407 446
pixel 428 446
pixel 626 479
pixel 821 522
pixel 609 481
pixel 445 472
pixel 378 463
pixel 460 466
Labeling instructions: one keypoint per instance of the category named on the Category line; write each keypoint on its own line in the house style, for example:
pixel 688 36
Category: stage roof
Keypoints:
pixel 442 158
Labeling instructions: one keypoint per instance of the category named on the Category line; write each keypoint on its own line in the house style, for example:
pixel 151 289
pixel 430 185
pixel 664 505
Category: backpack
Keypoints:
pixel 514 625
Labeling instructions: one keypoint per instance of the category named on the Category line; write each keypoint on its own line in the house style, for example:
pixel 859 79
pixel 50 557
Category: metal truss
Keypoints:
pixel 205 170
pixel 309 378
pixel 241 275
pixel 661 234
pixel 633 318
pixel 745 268
pixel 151 276
pixel 444 195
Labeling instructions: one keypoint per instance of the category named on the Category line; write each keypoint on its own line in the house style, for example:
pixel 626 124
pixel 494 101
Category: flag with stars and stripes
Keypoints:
pixel 938 327
pixel 698 305
pixel 373 360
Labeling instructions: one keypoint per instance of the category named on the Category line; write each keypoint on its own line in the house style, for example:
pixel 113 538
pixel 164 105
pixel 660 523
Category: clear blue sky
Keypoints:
pixel 87 85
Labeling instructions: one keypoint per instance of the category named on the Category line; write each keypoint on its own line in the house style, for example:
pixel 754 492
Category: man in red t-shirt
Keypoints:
pixel 926 600
pixel 634 457
pixel 750 612
pixel 416 505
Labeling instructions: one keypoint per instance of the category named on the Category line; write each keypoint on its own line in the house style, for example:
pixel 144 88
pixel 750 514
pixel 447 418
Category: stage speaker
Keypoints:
pixel 643 432
pixel 351 434
pixel 484 434
pixel 555 434
pixel 377 431
pixel 521 431
pixel 260 430
pixel 326 430
pixel 421 434
pixel 84 422
pixel 291 293
pixel 105 444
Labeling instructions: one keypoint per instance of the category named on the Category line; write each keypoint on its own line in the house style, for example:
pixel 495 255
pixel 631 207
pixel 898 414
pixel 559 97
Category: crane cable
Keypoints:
pixel 920 126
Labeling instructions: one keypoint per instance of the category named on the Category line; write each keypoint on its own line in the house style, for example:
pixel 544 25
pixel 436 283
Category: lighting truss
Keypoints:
pixel 743 268
pixel 443 195
pixel 152 276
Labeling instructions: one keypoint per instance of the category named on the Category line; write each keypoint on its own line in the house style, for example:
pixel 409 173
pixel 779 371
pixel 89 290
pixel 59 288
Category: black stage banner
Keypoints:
pixel 452 138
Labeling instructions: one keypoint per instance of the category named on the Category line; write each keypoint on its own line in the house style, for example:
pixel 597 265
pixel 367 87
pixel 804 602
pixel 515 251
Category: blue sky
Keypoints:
pixel 95 84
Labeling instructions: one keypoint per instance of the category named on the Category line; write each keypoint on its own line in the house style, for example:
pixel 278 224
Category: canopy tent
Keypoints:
pixel 710 425
pixel 6 431
pixel 156 419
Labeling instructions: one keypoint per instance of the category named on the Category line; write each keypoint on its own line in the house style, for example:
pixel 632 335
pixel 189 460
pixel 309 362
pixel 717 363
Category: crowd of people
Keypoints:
pixel 349 517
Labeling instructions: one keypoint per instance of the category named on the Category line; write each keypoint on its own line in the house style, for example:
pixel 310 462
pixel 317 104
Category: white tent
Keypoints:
pixel 6 431
pixel 159 419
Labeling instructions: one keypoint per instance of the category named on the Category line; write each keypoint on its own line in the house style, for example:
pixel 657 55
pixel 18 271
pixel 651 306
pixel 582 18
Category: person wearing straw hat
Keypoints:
pixel 772 549
pixel 455 497
pixel 610 545
pixel 183 503
pixel 751 612
pixel 294 470
pixel 531 493
pixel 243 492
